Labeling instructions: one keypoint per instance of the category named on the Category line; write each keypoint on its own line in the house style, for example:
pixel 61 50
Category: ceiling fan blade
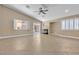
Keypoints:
pixel 43 12
pixel 36 11
pixel 40 8
pixel 46 10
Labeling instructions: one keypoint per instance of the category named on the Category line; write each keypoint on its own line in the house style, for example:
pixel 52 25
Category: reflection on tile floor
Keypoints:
pixel 44 44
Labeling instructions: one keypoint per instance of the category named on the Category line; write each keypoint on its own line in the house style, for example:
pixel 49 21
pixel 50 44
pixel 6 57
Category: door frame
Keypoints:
pixel 38 29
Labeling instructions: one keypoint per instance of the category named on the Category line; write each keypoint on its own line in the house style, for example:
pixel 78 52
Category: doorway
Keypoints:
pixel 36 29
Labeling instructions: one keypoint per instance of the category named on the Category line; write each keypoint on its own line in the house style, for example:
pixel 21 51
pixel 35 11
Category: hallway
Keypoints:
pixel 46 44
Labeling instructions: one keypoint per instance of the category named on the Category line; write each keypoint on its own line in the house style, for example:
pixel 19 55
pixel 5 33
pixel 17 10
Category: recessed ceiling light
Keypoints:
pixel 66 10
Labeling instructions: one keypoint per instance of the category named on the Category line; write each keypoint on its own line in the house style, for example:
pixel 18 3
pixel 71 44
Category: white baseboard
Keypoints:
pixel 13 36
pixel 72 37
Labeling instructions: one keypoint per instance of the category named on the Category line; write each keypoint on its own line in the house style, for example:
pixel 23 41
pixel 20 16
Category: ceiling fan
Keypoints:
pixel 43 11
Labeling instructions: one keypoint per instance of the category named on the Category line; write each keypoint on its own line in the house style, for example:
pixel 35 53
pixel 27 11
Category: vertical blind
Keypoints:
pixel 70 24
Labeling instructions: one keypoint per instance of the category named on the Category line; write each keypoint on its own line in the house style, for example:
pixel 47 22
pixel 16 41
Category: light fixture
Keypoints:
pixel 66 10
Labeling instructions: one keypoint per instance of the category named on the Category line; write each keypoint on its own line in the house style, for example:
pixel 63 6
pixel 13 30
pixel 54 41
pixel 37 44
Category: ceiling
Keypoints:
pixel 54 10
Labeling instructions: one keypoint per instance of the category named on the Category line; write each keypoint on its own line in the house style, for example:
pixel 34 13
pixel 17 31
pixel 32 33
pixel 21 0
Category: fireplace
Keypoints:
pixel 45 31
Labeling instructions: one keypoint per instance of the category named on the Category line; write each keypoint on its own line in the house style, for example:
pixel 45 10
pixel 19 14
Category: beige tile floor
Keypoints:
pixel 35 45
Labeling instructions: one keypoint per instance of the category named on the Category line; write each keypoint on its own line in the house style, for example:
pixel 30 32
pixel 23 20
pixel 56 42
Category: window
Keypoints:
pixel 63 25
pixel 21 24
pixel 67 24
pixel 76 27
pixel 70 24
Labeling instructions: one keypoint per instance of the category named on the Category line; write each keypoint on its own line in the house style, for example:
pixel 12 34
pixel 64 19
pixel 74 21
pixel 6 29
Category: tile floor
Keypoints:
pixel 39 45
